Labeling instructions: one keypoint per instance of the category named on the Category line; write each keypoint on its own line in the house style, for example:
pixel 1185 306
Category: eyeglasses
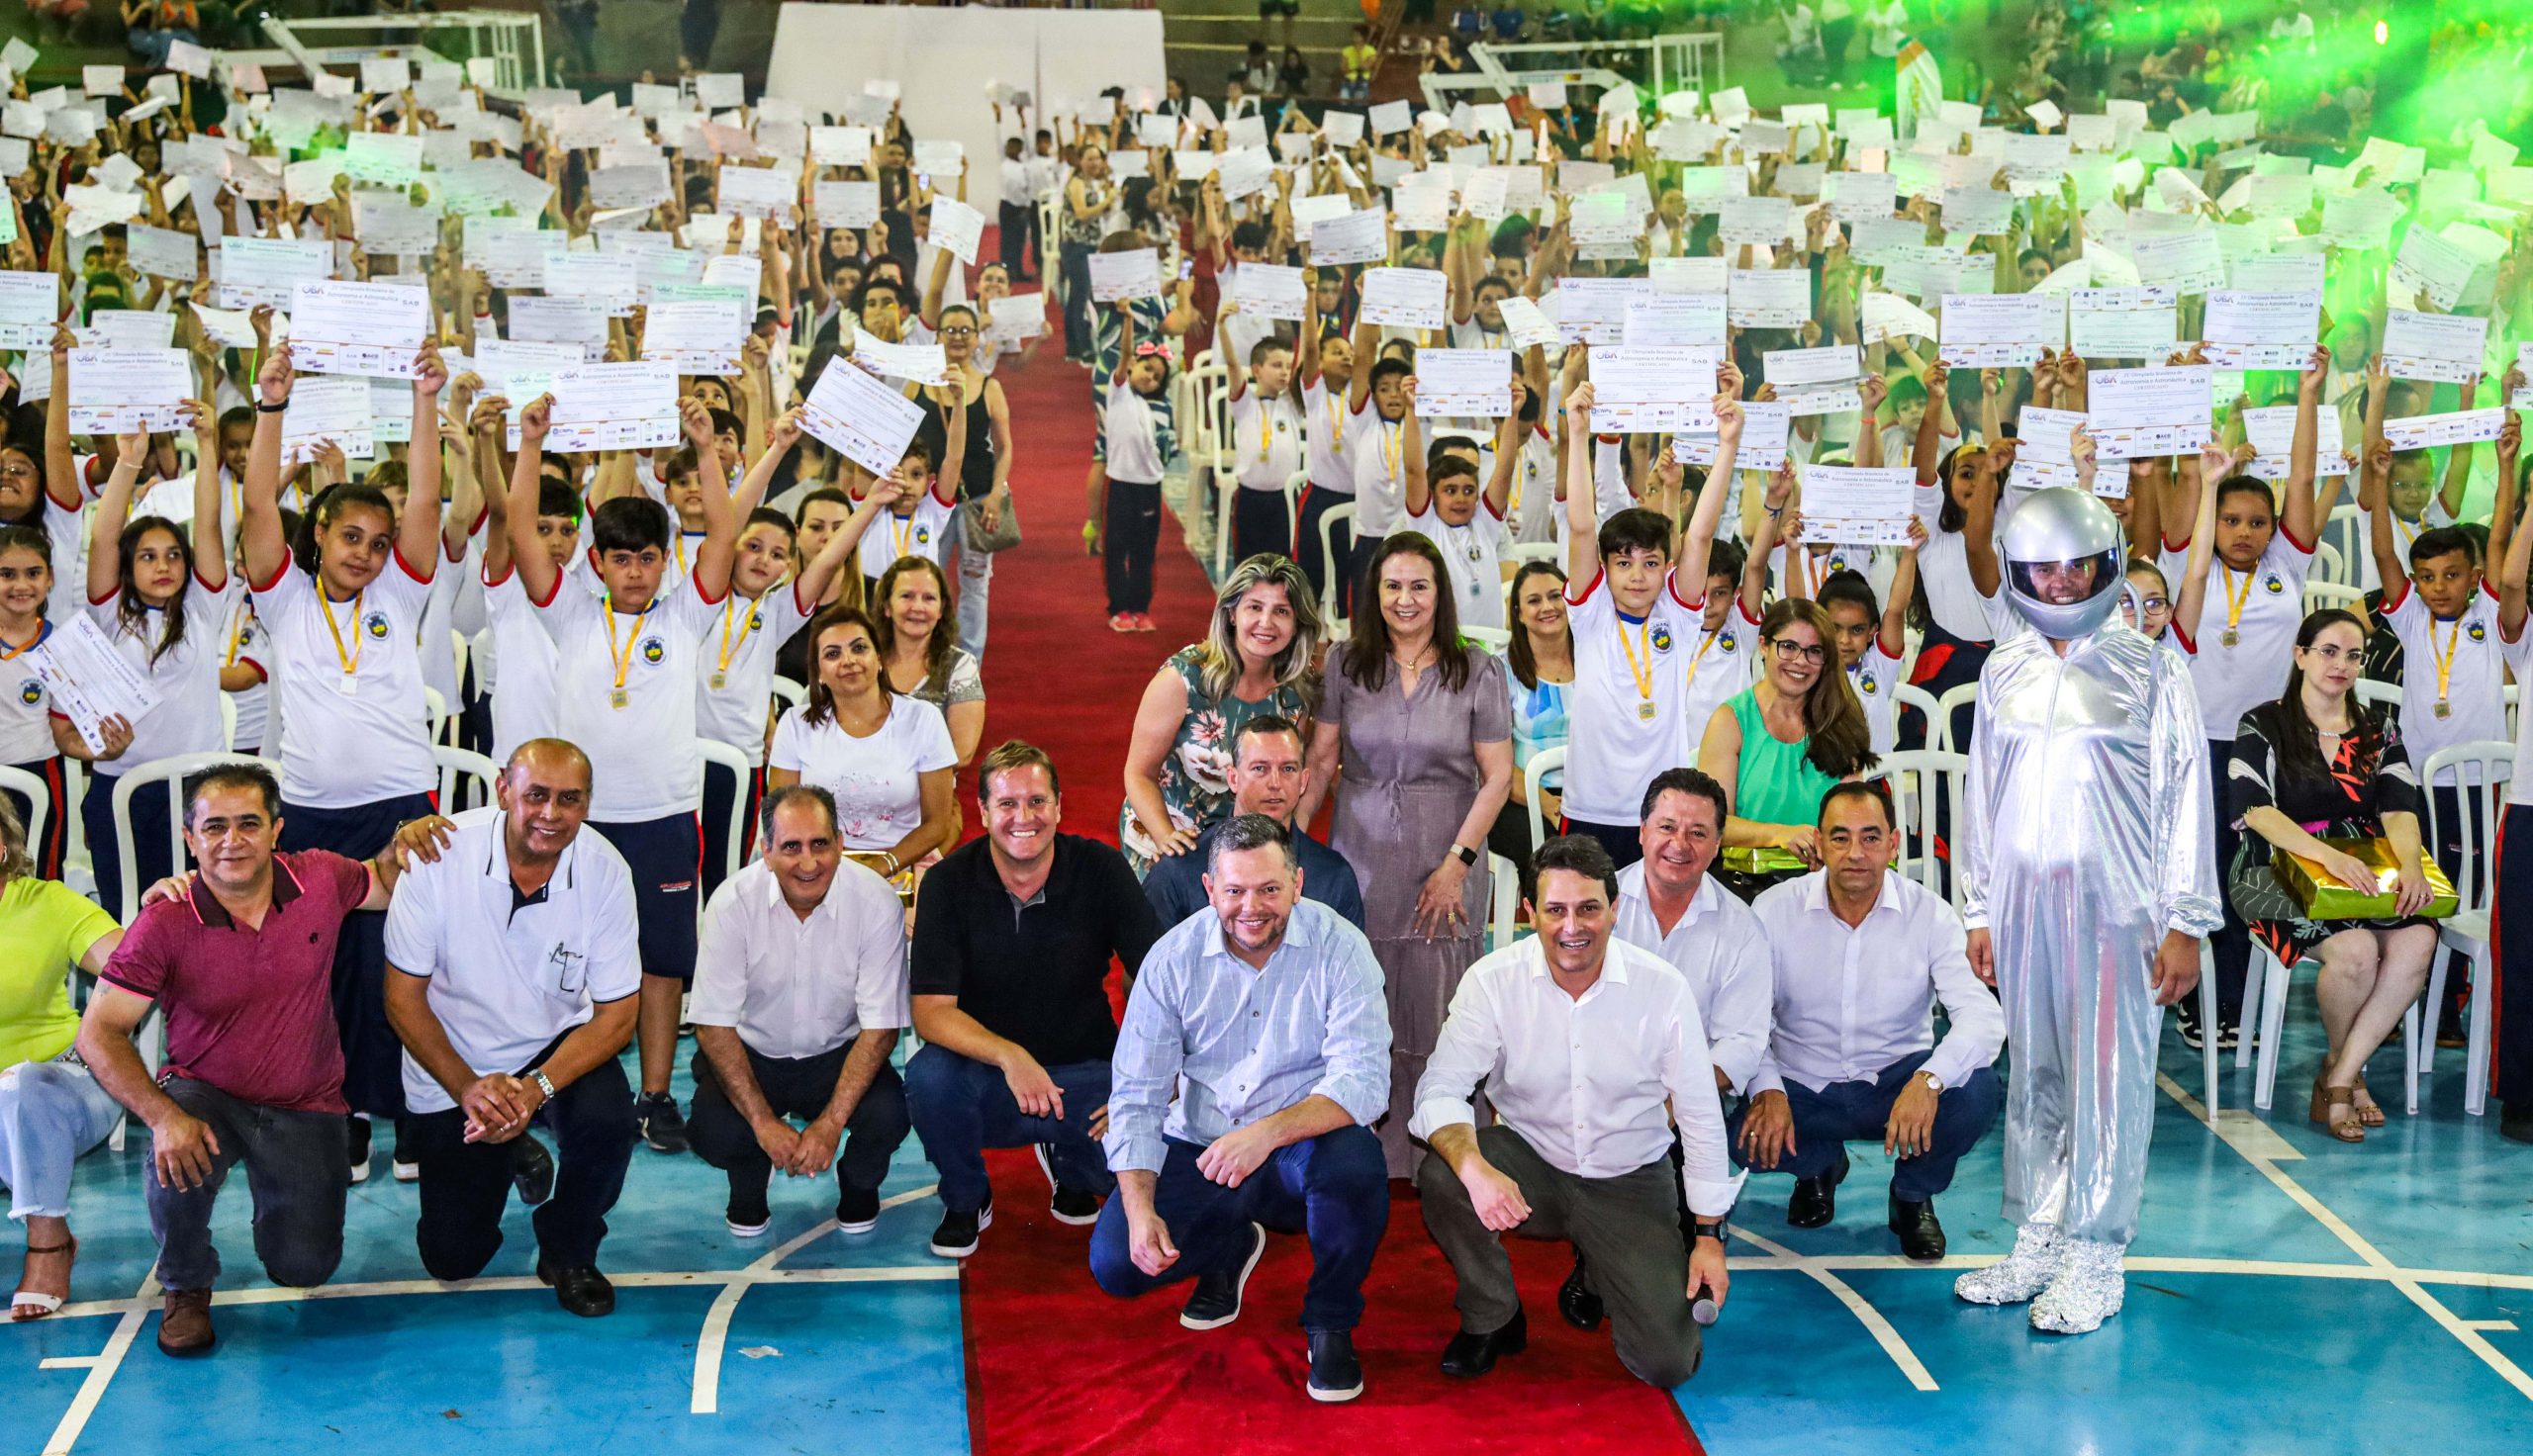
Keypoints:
pixel 957 334
pixel 1801 651
pixel 2159 604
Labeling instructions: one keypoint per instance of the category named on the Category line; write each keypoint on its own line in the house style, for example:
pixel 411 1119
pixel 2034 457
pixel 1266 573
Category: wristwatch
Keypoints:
pixel 1465 854
pixel 537 1075
pixel 1708 1228
pixel 1933 1082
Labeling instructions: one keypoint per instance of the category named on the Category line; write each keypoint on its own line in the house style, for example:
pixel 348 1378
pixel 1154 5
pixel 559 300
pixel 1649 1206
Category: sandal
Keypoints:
pixel 2368 1111
pixel 2348 1128
pixel 40 1303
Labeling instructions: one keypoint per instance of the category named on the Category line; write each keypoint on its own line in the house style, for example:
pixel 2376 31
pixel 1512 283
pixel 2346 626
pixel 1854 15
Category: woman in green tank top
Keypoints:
pixel 1780 744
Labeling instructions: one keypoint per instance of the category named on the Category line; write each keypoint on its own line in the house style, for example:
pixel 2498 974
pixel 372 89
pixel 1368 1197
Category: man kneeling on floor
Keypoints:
pixel 1268 1021
pixel 1580 1040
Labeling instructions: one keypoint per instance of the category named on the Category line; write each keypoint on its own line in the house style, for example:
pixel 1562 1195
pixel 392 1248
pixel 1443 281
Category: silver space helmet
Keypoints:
pixel 2065 558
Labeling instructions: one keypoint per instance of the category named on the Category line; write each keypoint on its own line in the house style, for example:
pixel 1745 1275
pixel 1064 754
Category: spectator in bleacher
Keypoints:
pixel 1356 63
pixel 1257 73
pixel 1293 77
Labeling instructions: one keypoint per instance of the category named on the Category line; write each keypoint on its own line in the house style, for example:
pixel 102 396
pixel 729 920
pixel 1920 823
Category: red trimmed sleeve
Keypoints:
pixel 1577 598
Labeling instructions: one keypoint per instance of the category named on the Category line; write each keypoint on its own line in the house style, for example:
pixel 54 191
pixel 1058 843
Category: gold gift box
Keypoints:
pixel 1762 860
pixel 2326 899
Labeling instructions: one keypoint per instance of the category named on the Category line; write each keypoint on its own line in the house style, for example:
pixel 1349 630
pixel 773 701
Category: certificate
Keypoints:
pixel 613 407
pixel 1527 324
pixel 1853 505
pixel 269 270
pixel 847 203
pixel 2190 262
pixel 1244 172
pixel 1860 197
pixel 938 158
pixel 553 320
pixel 2279 272
pixel 2124 322
pixel 162 252
pixel 697 334
pixel 858 417
pixel 2431 265
pixel 760 192
pixel 2000 330
pixel 1356 237
pixel 1761 220
pixel 1594 310
pixel 1406 298
pixel 328 410
pixel 1463 381
pixel 2262 330
pixel 1269 290
pixel 128 328
pixel 2360 220
pixel 1688 275
pixel 2270 432
pixel 919 363
pixel 119 390
pixel 2137 412
pixel 2044 451
pixel 641 184
pixel 30 305
pixel 1662 321
pixel 1765 428
pixel 338 328
pixel 1116 277
pixel 2446 347
pixel 840 146
pixel 2421 432
pixel 89 680
pixel 1655 391
pixel 1795 369
pixel 1768 297
pixel 1013 318
pixel 958 228
pixel 1976 210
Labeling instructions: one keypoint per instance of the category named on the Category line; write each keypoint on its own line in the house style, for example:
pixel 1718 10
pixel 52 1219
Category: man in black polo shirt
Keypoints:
pixel 1269 770
pixel 1012 939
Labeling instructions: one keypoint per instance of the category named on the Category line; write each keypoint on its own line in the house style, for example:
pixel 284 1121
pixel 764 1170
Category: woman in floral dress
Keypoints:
pixel 1257 658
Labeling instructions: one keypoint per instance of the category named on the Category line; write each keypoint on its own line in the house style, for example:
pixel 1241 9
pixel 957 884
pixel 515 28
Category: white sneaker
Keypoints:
pixel 747 1230
pixel 2018 1275
pixel 407 1172
pixel 2089 1288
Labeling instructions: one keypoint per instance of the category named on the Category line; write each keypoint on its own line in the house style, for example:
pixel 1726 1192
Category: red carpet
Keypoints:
pixel 1056 1366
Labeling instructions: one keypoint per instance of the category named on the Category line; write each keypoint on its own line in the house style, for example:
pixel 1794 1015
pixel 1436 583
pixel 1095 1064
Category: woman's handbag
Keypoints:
pixel 974 537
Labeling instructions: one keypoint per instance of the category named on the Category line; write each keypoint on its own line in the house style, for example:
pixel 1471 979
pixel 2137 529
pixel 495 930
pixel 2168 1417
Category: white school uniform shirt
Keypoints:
pixel 1377 465
pixel 1134 449
pixel 1469 333
pixel 436 638
pixel 1612 750
pixel 1239 332
pixel 876 781
pixel 186 676
pixel 795 989
pixel 1537 515
pixel 1327 427
pixel 1876 680
pixel 2233 680
pixel 1718 664
pixel 2474 684
pixel 1472 557
pixel 1609 494
pixel 645 762
pixel 1807 570
pixel 1591 1082
pixel 507 979
pixel 26 728
pixel 954 287
pixel 1953 600
pixel 923 531
pixel 738 649
pixel 524 697
pixel 2405 533
pixel 1850 1002
pixel 1718 944
pixel 357 737
pixel 243 643
pixel 1019 183
pixel 1253 410
pixel 2520 656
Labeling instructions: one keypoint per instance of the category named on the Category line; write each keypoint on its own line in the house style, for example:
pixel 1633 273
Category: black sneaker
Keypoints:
pixel 1335 1373
pixel 1075 1206
pixel 356 1146
pixel 660 1123
pixel 955 1238
pixel 1216 1300
pixel 856 1210
pixel 531 1170
pixel 2229 1035
pixel 748 1220
pixel 2185 1016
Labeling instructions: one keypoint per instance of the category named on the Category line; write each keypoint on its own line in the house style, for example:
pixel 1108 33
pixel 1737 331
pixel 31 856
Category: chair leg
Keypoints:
pixel 2211 1061
pixel 2254 985
pixel 2476 1057
pixel 2409 1057
pixel 2435 1009
pixel 2276 976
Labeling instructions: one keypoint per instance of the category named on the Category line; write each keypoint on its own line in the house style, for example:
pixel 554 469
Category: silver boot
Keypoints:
pixel 2088 1288
pixel 2018 1275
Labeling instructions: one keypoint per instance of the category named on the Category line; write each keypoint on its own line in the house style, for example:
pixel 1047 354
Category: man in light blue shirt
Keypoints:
pixel 1267 1020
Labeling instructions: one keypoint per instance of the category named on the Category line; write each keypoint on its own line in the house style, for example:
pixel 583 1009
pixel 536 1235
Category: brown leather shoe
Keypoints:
pixel 184 1323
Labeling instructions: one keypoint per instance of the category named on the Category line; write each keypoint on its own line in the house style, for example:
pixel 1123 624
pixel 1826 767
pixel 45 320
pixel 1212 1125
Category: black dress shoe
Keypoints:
pixel 531 1169
pixel 1576 1300
pixel 1921 1235
pixel 2515 1121
pixel 1815 1202
pixel 1469 1356
pixel 579 1288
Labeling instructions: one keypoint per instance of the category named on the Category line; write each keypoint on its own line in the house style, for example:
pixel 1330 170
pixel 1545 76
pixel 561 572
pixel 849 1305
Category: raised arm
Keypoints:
pixel 2511 545
pixel 721 523
pixel 1582 521
pixel 538 576
pixel 113 507
pixel 417 533
pixel 259 510
pixel 2190 600
pixel 2299 513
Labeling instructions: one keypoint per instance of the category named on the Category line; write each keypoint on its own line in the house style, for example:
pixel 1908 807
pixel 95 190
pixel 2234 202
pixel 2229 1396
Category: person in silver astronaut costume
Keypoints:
pixel 2087 861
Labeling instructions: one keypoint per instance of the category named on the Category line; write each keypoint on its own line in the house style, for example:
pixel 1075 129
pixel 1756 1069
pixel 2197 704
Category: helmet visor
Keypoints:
pixel 2066 583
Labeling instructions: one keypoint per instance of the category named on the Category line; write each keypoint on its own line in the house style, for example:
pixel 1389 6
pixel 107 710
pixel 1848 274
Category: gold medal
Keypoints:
pixel 2444 709
pixel 2230 637
pixel 714 681
pixel 618 698
pixel 1644 709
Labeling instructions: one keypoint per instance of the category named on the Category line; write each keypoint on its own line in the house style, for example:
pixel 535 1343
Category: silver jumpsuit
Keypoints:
pixel 2087 834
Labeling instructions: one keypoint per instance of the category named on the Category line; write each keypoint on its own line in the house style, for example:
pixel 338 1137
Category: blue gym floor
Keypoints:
pixel 2287 1294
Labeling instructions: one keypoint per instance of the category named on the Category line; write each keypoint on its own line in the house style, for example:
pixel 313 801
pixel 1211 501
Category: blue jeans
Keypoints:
pixel 960 1107
pixel 1334 1188
pixel 1825 1122
pixel 51 1112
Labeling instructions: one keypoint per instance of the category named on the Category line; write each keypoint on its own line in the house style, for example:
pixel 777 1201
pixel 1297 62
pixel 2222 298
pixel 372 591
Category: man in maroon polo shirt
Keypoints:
pixel 242 965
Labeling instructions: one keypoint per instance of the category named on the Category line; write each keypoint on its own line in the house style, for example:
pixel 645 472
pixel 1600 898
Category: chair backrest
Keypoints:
pixel 171 770
pixel 2481 771
pixel 1939 731
pixel 1493 639
pixel 1912 696
pixel 457 766
pixel 1544 763
pixel 434 713
pixel 2319 594
pixel 1549 552
pixel 39 797
pixel 1926 796
pixel 2372 694
pixel 229 720
pixel 1329 521
pixel 2329 565
pixel 2345 534
pixel 1504 881
pixel 792 694
pixel 717 752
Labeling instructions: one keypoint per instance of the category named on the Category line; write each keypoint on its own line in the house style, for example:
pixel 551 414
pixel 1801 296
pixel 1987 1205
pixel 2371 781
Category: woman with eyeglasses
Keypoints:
pixel 1786 740
pixel 983 485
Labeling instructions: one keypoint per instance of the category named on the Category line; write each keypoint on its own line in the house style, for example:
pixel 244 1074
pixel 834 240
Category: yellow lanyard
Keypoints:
pixel 245 617
pixel 617 697
pixel 2444 661
pixel 350 660
pixel 1389 444
pixel 2234 602
pixel 1640 670
pixel 902 536
pixel 1266 431
pixel 22 646
pixel 1336 422
pixel 728 646
pixel 1700 655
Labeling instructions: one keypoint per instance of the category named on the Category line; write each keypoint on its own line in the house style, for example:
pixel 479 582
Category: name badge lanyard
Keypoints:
pixel 617 697
pixel 1641 670
pixel 729 648
pixel 2444 662
pixel 2234 602
pixel 349 683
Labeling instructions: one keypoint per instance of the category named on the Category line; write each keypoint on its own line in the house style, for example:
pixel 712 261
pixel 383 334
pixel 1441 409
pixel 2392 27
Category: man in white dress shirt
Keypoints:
pixel 1588 1047
pixel 515 963
pixel 1860 953
pixel 800 993
pixel 1669 906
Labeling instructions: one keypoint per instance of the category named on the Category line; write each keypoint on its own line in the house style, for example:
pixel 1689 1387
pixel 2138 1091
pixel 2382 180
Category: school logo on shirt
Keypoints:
pixel 1661 639
pixel 924 535
pixel 2476 632
pixel 375 624
pixel 31 691
pixel 653 650
pixel 2272 585
pixel 1729 643
pixel 1837 563
pixel 1864 684
pixel 756 621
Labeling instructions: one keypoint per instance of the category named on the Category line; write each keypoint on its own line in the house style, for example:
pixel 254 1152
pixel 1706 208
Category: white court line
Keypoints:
pixel 707 1399
pixel 1875 1322
pixel 101 1371
pixel 2413 1288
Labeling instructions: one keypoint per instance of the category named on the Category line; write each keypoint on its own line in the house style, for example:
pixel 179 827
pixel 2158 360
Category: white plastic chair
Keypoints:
pixel 2329 565
pixel 1494 639
pixel 1544 763
pixel 2466 931
pixel 2345 534
pixel 1550 553
pixel 2387 695
pixel 2319 594
pixel 451 727
pixel 737 763
pixel 792 694
pixel 434 713
pixel 1505 883
pixel 1909 696
pixel 1939 728
pixel 1926 794
pixel 39 797
pixel 1336 571
pixel 457 766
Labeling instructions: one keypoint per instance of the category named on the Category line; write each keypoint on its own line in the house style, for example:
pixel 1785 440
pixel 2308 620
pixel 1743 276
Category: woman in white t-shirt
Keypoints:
pixel 167 611
pixel 885 756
